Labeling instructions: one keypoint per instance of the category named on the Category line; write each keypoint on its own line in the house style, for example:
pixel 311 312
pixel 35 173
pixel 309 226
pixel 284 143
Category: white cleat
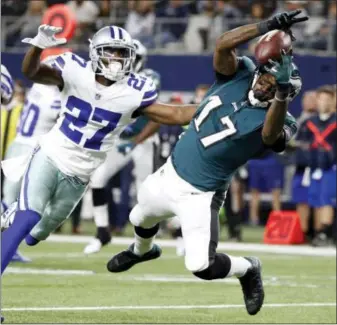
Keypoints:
pixel 7 217
pixel 93 247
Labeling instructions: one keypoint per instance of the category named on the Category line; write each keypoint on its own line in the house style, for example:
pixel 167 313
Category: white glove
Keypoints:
pixel 46 37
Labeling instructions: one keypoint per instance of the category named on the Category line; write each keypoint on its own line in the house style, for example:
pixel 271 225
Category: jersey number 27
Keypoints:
pixel 214 102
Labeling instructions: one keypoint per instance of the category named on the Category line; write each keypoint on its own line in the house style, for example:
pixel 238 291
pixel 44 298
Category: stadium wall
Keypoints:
pixel 184 73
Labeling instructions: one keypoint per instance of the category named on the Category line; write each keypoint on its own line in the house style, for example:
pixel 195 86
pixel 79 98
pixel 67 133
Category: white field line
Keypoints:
pixel 27 270
pixel 303 250
pixel 105 254
pixel 172 307
pixel 161 278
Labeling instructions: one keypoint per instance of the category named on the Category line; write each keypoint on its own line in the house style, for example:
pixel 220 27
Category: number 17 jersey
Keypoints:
pixel 92 116
pixel 224 134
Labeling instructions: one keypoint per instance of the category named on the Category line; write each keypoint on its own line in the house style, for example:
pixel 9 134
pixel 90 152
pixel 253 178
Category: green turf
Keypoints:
pixel 249 234
pixel 288 280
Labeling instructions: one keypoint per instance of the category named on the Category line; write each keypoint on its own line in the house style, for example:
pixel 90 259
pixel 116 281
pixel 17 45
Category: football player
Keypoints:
pixel 243 115
pixel 136 144
pixel 99 99
pixel 7 94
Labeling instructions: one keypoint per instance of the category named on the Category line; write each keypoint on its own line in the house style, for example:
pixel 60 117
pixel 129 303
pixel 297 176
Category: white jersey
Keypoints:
pixel 40 112
pixel 92 116
pixel 7 87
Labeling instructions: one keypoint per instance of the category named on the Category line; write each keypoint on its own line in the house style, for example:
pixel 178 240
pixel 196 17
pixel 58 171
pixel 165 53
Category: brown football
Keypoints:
pixel 270 46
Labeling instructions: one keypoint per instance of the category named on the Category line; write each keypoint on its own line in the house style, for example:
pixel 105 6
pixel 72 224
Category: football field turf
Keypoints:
pixel 62 285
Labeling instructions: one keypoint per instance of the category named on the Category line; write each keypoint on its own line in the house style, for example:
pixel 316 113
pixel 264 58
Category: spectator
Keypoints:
pixel 31 20
pixel 140 22
pixel 325 38
pixel 174 31
pixel 265 175
pixel 13 7
pixel 322 132
pixel 301 179
pixel 200 93
pixel 86 13
pixel 262 9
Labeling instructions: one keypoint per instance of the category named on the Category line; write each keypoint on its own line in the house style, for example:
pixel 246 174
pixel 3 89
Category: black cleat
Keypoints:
pixel 127 259
pixel 252 286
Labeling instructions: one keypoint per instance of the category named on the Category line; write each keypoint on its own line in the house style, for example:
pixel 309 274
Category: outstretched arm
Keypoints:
pixel 224 60
pixel 31 66
pixel 170 114
pixel 273 128
pixel 40 73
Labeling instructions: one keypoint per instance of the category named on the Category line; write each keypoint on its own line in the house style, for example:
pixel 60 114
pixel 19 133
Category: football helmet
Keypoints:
pixel 112 52
pixel 295 88
pixel 141 56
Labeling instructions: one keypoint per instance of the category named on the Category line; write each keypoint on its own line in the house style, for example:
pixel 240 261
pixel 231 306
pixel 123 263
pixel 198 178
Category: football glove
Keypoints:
pixel 46 37
pixel 281 70
pixel 282 21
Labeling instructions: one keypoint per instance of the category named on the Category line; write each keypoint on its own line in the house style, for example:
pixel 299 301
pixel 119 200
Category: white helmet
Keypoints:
pixel 141 56
pixel 102 54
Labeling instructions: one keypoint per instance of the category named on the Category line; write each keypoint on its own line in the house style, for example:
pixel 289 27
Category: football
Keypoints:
pixel 270 46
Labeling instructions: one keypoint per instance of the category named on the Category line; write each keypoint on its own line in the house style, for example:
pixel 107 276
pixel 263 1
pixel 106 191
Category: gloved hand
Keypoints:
pixel 281 70
pixel 282 21
pixel 46 37
pixel 125 148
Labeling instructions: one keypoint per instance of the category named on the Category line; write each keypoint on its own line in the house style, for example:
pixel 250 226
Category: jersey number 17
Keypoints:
pixel 213 103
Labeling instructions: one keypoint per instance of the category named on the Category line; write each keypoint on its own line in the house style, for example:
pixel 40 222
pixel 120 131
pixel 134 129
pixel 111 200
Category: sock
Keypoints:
pixel 31 241
pixel 326 229
pixel 239 266
pixel 4 207
pixel 219 268
pixel 144 239
pixel 177 233
pixel 103 234
pixel 11 238
pixel 100 209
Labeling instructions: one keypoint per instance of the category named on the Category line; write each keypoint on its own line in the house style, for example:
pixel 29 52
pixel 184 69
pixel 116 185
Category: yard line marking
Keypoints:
pixel 268 281
pixel 24 270
pixel 89 308
pixel 303 250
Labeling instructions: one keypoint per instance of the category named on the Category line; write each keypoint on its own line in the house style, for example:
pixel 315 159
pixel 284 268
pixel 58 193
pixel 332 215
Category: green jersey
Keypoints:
pixel 224 133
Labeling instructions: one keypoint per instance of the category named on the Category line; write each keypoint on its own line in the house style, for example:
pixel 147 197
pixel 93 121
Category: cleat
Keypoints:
pixel 103 237
pixel 17 257
pixel 321 240
pixel 93 247
pixel 127 259
pixel 252 286
pixel 7 217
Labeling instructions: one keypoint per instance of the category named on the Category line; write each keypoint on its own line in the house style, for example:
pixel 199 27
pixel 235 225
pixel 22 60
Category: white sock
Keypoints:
pixel 101 216
pixel 142 245
pixel 239 266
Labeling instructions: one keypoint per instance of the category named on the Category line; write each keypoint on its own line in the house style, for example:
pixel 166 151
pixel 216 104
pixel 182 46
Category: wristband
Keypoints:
pixel 263 27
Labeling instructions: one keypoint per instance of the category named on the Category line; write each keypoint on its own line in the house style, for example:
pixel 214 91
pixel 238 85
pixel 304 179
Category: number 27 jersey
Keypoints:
pixel 92 116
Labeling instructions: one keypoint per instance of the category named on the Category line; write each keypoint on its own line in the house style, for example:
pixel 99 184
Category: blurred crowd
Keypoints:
pixel 308 166
pixel 190 25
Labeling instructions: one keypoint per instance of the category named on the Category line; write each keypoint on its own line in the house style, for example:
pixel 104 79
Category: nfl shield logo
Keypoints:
pixel 97 96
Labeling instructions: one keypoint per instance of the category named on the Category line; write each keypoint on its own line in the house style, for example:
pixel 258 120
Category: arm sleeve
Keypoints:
pixel 150 95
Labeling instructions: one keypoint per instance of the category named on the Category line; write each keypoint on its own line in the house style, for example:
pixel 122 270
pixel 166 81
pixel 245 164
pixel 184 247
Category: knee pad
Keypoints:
pixel 136 216
pixel 196 263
